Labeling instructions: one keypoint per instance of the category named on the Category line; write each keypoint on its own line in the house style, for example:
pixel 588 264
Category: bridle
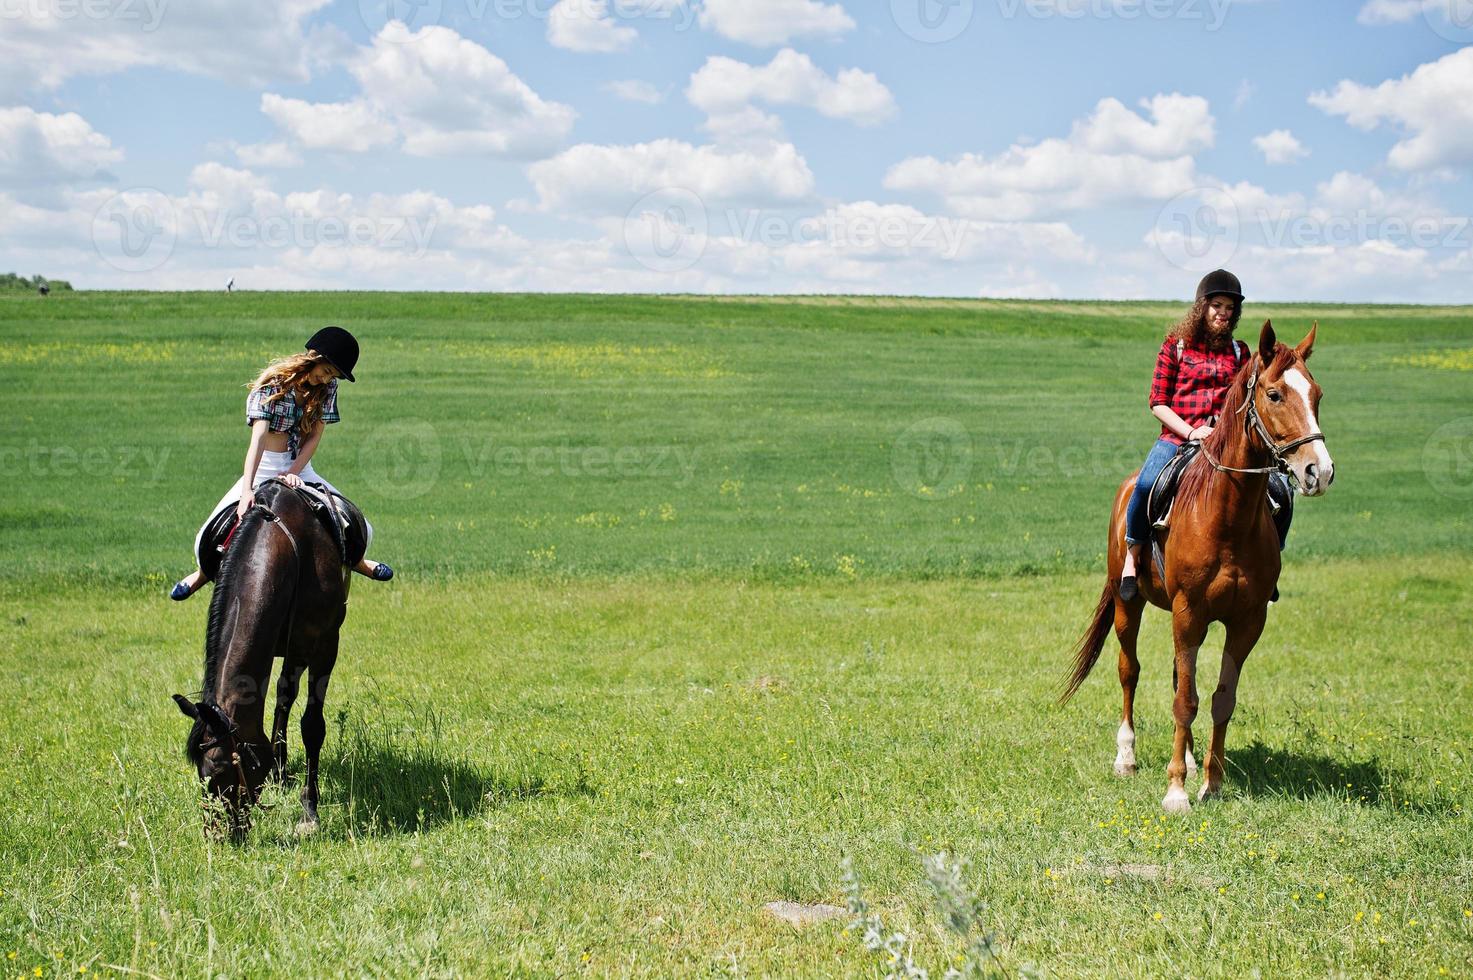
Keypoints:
pixel 232 745
pixel 1255 425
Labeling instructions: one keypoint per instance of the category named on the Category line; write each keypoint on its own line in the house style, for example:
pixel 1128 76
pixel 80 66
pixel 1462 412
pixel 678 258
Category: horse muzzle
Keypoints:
pixel 1316 475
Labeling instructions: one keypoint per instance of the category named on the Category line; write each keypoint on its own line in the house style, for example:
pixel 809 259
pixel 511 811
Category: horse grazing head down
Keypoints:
pixel 255 602
pixel 230 769
pixel 1287 400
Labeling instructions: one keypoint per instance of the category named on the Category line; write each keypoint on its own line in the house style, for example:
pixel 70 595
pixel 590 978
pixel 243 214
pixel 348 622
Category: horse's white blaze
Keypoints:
pixel 1125 749
pixel 1296 380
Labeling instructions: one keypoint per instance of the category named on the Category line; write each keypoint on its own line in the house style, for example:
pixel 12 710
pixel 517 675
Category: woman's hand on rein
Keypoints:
pixel 1199 433
pixel 292 480
pixel 247 501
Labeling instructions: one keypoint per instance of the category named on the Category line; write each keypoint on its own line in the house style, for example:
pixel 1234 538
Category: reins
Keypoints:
pixel 1255 426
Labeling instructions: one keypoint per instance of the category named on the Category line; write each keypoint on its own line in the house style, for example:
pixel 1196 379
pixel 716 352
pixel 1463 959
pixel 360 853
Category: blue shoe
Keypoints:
pixel 381 572
pixel 180 592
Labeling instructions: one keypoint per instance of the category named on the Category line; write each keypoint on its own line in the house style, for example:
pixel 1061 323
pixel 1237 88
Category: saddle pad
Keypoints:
pixel 349 531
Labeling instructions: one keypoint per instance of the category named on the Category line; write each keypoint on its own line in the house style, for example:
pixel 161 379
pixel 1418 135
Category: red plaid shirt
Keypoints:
pixel 1192 381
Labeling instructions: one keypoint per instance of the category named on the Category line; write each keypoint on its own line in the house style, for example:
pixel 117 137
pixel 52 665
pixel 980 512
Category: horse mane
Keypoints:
pixel 1231 424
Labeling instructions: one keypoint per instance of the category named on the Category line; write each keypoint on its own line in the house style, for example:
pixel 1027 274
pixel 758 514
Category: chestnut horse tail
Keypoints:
pixel 1092 642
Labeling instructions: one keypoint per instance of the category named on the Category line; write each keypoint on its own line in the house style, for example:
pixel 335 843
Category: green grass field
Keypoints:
pixel 698 597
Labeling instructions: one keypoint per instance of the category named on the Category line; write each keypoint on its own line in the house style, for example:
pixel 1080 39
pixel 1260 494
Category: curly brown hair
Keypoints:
pixel 1193 327
pixel 289 374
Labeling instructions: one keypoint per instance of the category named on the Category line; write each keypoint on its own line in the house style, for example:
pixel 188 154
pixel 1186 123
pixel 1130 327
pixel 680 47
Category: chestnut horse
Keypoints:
pixel 282 592
pixel 1221 552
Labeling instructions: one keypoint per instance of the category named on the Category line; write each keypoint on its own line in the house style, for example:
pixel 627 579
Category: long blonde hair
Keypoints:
pixel 288 374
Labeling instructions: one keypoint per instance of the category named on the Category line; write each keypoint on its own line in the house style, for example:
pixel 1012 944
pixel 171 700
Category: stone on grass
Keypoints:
pixel 798 915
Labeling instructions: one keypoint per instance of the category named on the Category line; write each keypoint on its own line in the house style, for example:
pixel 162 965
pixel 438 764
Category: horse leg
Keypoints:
pixel 1191 739
pixel 1127 628
pixel 314 728
pixel 1188 632
pixel 286 696
pixel 1242 634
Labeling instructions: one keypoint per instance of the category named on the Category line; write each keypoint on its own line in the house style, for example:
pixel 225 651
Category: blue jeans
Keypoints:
pixel 1137 525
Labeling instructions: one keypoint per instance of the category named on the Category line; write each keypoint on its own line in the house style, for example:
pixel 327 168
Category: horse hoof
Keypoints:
pixel 306 828
pixel 1124 770
pixel 1176 801
pixel 1209 793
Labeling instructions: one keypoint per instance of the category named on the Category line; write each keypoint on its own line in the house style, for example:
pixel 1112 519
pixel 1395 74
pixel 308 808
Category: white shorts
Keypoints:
pixel 272 465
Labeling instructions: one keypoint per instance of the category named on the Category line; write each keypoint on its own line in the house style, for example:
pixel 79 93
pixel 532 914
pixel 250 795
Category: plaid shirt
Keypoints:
pixel 285 415
pixel 1193 381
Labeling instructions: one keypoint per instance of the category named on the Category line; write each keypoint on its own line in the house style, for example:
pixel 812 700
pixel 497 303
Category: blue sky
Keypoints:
pixel 1042 148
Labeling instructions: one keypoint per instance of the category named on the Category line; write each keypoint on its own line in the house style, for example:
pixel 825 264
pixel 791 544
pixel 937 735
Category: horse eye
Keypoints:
pixel 1274 396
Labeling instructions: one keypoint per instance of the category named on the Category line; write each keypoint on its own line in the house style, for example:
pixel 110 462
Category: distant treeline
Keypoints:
pixel 10 281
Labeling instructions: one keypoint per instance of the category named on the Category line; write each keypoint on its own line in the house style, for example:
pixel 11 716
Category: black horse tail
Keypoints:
pixel 1092 642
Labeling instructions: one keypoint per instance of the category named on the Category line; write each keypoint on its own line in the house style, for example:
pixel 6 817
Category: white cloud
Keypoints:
pixel 1179 125
pixel 41 150
pixel 747 126
pixel 1280 146
pixel 352 127
pixel 1243 96
pixel 435 91
pixel 592 179
pixel 1434 104
pixel 1113 156
pixel 633 90
pixel 45 42
pixel 270 155
pixel 585 25
pixel 724 85
pixel 1457 13
pixel 1389 11
pixel 772 22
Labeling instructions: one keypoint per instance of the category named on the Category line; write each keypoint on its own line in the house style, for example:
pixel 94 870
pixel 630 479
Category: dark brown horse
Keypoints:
pixel 282 592
pixel 1221 553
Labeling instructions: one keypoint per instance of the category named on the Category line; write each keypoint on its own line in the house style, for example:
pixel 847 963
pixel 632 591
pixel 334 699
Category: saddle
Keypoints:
pixel 339 515
pixel 1163 496
pixel 1163 491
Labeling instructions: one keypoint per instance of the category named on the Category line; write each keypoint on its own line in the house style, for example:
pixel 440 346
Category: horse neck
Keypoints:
pixel 246 616
pixel 1242 449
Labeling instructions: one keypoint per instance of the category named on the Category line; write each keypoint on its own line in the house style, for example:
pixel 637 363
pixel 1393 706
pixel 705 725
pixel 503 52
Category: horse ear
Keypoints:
pixel 1306 346
pixel 1267 341
pixel 186 706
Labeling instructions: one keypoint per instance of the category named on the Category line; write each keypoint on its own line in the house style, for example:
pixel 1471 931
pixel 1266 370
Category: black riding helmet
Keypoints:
pixel 338 347
pixel 1219 283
